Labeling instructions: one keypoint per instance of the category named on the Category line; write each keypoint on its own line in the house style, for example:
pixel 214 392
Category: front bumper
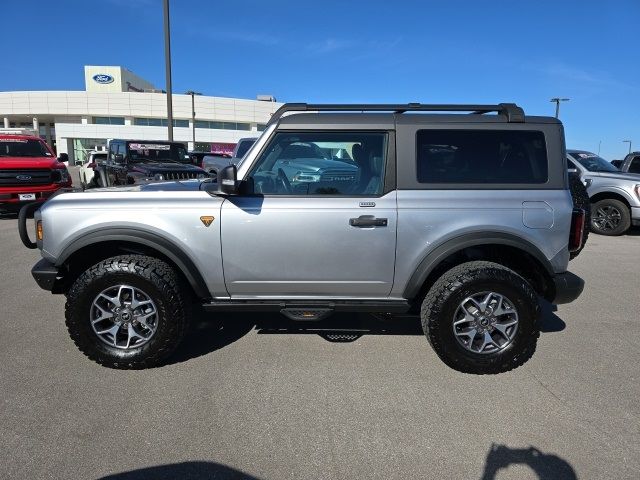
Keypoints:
pixel 568 287
pixel 45 274
pixel 635 216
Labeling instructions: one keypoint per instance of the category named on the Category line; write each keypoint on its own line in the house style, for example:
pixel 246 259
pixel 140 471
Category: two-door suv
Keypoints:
pixel 466 219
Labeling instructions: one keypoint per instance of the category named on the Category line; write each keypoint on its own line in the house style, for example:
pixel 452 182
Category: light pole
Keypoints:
pixel 599 145
pixel 629 142
pixel 557 101
pixel 193 115
pixel 167 62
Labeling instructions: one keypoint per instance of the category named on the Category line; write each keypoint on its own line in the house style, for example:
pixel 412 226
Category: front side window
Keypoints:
pixel 481 157
pixel 634 166
pixel 322 163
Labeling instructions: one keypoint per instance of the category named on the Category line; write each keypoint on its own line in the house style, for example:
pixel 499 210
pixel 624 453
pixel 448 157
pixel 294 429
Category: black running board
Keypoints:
pixel 368 306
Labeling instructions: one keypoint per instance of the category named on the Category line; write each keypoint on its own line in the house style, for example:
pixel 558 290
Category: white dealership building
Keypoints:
pixel 116 103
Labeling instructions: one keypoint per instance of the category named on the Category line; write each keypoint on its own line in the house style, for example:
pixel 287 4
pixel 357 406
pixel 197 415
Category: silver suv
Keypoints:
pixel 465 219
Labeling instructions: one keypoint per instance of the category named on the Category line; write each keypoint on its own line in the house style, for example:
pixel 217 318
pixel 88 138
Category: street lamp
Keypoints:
pixel 629 142
pixel 557 101
pixel 167 62
pixel 193 115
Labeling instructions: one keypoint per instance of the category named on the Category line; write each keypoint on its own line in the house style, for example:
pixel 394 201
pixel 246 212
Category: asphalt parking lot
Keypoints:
pixel 255 396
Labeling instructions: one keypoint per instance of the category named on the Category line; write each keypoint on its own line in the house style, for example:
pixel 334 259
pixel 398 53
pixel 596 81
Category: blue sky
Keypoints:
pixel 340 51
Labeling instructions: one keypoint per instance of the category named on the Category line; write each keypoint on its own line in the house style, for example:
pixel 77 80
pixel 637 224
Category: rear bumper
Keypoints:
pixel 45 274
pixel 568 287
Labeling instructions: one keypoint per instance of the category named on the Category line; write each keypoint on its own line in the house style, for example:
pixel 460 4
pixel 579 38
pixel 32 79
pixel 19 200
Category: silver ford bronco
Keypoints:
pixel 459 213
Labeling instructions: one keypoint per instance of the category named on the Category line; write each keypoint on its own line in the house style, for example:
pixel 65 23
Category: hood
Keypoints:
pixel 175 186
pixel 29 162
pixel 632 177
pixel 161 167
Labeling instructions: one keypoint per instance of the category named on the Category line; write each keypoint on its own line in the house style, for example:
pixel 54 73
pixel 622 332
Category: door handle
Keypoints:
pixel 368 221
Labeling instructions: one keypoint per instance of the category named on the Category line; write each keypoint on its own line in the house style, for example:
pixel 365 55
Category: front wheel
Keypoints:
pixel 481 318
pixel 129 311
pixel 610 217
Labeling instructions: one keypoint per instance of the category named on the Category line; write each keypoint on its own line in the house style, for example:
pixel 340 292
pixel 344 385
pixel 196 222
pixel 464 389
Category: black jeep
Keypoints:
pixel 134 161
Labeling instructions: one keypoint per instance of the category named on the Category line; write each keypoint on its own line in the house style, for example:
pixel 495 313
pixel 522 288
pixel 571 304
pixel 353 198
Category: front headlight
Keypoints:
pixel 202 176
pixel 158 177
pixel 587 182
pixel 61 175
pixel 306 177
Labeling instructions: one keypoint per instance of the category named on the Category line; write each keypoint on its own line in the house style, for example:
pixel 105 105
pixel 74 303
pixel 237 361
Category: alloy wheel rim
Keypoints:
pixel 485 322
pixel 607 218
pixel 124 317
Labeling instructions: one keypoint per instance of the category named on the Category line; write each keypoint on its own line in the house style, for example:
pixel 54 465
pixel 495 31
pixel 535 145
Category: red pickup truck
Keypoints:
pixel 29 170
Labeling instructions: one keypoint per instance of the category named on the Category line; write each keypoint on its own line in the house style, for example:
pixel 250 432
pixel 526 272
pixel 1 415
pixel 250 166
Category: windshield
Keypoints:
pixel 593 162
pixel 243 147
pixel 158 152
pixel 21 147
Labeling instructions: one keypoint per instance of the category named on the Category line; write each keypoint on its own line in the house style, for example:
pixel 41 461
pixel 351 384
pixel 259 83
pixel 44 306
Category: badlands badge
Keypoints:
pixel 207 220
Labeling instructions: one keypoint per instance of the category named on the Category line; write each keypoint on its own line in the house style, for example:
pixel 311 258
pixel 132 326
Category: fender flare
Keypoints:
pixel 432 259
pixel 148 239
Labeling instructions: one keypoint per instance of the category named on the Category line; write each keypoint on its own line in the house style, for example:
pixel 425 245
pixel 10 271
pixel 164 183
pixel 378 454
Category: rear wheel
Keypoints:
pixel 610 217
pixel 481 317
pixel 129 311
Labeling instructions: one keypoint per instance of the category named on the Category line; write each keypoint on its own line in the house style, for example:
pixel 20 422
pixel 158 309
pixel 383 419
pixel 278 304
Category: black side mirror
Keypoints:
pixel 227 181
pixel 63 157
pixel 118 158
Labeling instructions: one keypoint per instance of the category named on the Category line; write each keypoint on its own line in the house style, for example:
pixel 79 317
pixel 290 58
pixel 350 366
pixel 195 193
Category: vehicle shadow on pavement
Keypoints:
pixel 210 332
pixel 546 466
pixel 190 470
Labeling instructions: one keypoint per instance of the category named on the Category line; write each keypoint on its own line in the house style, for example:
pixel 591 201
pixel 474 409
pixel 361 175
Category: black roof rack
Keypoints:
pixel 513 112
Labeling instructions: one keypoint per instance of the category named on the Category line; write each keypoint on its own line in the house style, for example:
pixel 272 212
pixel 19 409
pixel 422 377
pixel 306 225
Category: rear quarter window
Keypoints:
pixel 481 157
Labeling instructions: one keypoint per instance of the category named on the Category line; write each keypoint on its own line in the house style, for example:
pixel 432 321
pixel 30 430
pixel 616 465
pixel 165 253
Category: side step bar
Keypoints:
pixel 308 309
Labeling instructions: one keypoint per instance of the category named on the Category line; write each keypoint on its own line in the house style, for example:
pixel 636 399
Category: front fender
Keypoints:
pixel 137 236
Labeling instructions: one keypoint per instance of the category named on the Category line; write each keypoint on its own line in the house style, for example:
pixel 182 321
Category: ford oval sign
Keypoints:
pixel 102 78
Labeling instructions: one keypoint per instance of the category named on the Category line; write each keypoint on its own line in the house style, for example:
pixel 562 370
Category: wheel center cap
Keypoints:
pixel 484 322
pixel 125 315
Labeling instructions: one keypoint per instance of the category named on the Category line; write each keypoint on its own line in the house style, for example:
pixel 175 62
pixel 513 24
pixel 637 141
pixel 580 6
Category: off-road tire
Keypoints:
pixel 442 300
pixel 625 217
pixel 580 200
pixel 157 279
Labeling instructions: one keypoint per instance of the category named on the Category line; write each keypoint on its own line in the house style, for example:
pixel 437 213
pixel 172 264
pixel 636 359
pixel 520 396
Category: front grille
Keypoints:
pixel 27 177
pixel 180 175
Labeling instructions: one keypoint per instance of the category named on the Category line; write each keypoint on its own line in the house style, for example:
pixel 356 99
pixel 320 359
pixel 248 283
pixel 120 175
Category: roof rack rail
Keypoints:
pixel 513 112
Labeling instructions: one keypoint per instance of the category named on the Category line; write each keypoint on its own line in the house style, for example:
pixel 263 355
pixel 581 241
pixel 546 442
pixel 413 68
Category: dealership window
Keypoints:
pixel 223 125
pixel 108 120
pixel 262 127
pixel 159 122
pixel 481 157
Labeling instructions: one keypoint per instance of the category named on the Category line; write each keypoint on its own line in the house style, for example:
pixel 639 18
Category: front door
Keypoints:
pixel 320 222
